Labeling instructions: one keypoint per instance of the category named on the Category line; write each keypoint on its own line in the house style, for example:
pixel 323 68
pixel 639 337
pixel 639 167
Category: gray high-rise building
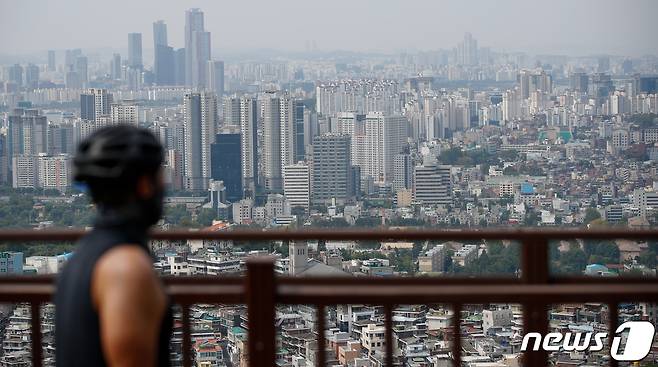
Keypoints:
pixel 249 144
pixel 16 74
pixel 179 66
pixel 271 146
pixel 52 60
pixel 579 82
pixel 402 172
pixel 69 58
pixel 193 23
pixel 164 63
pixel 135 50
pixel 95 103
pixel 61 139
pixel 115 67
pixel 27 132
pixel 432 185
pixel 200 119
pixel 331 169
pixel 231 111
pixel 200 57
pixel 215 76
pixel 160 33
pixel 32 76
pixel 81 68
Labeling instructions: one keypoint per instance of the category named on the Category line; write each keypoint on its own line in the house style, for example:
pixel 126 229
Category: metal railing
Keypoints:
pixel 536 288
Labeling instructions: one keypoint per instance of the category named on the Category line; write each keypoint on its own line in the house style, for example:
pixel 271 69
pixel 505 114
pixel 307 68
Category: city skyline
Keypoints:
pixel 510 26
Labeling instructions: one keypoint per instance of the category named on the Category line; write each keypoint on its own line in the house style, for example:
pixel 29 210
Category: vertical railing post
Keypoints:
pixel 613 322
pixel 535 270
pixel 35 325
pixel 260 289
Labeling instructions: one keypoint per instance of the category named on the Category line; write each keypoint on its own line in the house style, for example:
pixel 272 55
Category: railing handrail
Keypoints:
pixel 361 234
pixel 261 289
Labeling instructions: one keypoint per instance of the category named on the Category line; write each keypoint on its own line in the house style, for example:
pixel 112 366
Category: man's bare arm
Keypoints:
pixel 130 303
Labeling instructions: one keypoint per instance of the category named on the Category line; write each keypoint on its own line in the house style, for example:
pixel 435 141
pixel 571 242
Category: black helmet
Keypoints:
pixel 117 155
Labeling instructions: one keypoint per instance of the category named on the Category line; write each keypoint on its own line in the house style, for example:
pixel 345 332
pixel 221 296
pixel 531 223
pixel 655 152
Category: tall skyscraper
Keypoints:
pixel 200 58
pixel 292 113
pixel 199 116
pixel 135 50
pixel 331 168
pixel 69 58
pixel 226 161
pixel 16 74
pixel 467 51
pixel 32 76
pixel 402 172
pixel 159 33
pixel 271 145
pixel 215 77
pixel 375 145
pixel 163 63
pixel 249 140
pixel 193 23
pixel 52 60
pixel 81 68
pixel 115 67
pixel 179 66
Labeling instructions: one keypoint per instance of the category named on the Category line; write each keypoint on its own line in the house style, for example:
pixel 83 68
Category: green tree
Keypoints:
pixel 591 214
pixel 648 259
pixel 573 261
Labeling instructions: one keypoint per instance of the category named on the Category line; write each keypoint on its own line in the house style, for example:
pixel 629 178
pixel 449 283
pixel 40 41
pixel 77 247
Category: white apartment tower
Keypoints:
pixel 297 185
pixel 248 135
pixel 125 113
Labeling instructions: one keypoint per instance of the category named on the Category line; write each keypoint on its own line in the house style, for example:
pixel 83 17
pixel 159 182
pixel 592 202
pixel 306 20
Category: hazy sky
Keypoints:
pixel 576 27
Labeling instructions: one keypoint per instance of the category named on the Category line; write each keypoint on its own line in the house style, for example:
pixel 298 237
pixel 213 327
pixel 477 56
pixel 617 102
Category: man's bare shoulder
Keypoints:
pixel 125 261
pixel 126 269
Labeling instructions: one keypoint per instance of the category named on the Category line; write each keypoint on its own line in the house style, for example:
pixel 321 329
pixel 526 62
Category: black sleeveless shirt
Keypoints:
pixel 77 330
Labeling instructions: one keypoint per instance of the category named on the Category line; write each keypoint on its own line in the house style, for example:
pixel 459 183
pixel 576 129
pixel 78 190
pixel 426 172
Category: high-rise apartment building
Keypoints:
pixel 200 119
pixel 385 137
pixel 52 60
pixel 126 112
pixel 81 68
pixel 27 132
pixel 271 144
pixel 215 77
pixel 249 143
pixel 95 103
